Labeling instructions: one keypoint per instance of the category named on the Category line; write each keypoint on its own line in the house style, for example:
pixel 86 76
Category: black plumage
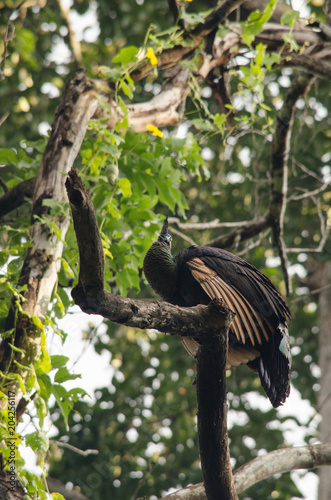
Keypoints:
pixel 258 335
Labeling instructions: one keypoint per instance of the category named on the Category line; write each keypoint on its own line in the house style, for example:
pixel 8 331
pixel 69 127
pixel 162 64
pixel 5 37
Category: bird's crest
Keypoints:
pixel 165 236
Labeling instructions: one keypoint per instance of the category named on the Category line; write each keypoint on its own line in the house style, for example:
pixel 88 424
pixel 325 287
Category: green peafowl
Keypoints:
pixel 258 335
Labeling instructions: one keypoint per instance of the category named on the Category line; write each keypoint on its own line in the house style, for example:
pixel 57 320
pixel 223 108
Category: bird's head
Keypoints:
pixel 165 236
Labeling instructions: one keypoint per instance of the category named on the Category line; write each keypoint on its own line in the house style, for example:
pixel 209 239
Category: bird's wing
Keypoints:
pixel 260 324
pixel 247 321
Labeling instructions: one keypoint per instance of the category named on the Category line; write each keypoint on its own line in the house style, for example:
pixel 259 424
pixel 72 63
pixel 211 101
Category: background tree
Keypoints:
pixel 233 96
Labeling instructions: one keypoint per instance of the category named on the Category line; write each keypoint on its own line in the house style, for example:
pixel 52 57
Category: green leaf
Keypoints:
pixel 294 47
pixel 64 403
pixel 192 19
pixel 166 167
pixel 8 157
pixel 42 409
pixel 57 496
pixel 270 59
pixel 110 73
pixel 126 89
pixel 255 22
pixel 201 124
pixel 220 121
pixel 32 381
pixel 126 279
pixel 126 55
pixel 58 360
pixel 290 17
pixel 26 42
pixel 124 185
pixel 166 196
pixel 62 375
pixel 77 393
pixel 38 441
pixel 45 385
pixel 18 377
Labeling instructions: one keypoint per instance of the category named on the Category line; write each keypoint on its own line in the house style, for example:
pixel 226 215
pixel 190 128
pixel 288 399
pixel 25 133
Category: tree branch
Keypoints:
pixel 274 462
pixel 73 42
pixel 312 65
pixel 279 168
pixel 212 420
pixel 161 110
pixel 248 230
pixel 16 196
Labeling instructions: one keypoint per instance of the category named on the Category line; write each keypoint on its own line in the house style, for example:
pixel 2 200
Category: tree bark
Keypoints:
pixel 42 260
pixel 274 462
pixel 324 395
pixel 212 419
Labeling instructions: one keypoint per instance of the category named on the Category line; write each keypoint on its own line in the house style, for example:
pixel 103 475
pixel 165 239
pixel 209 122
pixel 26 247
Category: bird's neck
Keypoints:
pixel 161 270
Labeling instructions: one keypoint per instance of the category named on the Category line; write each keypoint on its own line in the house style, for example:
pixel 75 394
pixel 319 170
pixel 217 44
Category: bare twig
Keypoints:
pixel 307 170
pixel 74 43
pixel 324 231
pixel 83 453
pixel 254 244
pixel 279 168
pixel 306 295
pixel 221 95
pixel 205 225
pixel 182 236
pixel 309 194
pixel 5 44
pixel 170 57
pixel 5 116
pixel 248 230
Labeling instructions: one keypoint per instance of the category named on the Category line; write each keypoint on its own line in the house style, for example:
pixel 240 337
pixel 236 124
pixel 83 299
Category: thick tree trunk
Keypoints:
pixel 324 397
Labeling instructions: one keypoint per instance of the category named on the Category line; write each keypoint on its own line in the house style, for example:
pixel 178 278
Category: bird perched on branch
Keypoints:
pixel 258 335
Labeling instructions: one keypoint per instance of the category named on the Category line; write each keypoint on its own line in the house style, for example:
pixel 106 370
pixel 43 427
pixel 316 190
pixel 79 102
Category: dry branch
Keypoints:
pixel 279 168
pixel 73 41
pixel 248 230
pixel 161 110
pixel 312 65
pixel 16 196
pixel 275 462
